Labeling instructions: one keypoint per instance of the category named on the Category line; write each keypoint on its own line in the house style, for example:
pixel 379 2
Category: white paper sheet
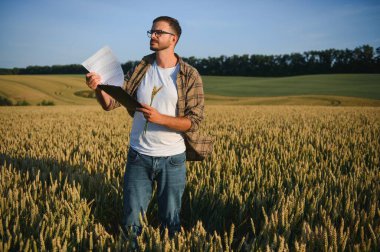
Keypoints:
pixel 105 63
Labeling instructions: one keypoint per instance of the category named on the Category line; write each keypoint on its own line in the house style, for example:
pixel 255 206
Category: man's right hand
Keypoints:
pixel 93 80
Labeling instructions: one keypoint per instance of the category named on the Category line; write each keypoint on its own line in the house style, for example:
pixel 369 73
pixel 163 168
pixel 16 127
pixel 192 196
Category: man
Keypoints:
pixel 164 134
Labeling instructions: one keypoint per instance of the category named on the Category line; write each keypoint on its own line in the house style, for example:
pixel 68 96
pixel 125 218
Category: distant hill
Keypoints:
pixel 334 89
pixel 59 89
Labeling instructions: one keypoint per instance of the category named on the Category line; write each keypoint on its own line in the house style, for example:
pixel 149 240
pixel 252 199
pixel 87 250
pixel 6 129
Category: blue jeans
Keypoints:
pixel 141 171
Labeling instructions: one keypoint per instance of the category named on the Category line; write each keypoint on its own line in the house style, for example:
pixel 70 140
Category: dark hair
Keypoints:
pixel 173 23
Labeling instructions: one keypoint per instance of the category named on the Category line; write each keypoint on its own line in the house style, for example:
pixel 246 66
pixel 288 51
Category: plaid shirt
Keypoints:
pixel 190 103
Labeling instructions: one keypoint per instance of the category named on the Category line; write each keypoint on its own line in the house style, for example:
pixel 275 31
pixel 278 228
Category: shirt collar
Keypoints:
pixel 149 59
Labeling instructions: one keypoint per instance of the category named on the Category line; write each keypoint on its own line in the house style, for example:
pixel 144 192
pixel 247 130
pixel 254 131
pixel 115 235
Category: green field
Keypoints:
pixel 337 89
pixel 354 85
pixel 334 89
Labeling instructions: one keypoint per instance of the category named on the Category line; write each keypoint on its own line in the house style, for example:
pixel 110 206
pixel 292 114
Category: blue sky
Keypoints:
pixel 53 32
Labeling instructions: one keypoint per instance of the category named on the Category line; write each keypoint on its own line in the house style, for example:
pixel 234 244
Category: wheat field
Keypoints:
pixel 281 178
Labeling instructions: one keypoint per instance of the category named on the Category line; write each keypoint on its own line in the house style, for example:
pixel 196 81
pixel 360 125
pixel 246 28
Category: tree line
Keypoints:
pixel 362 59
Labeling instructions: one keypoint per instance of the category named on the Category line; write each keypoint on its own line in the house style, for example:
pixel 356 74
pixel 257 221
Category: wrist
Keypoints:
pixel 162 120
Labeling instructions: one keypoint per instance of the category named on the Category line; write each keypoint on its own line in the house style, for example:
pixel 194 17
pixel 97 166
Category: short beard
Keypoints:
pixel 154 49
pixel 158 47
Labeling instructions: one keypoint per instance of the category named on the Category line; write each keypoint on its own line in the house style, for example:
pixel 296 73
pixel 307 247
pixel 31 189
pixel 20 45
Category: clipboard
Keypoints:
pixel 121 96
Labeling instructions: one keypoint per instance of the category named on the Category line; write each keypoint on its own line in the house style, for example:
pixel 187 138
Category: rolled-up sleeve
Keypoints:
pixel 194 101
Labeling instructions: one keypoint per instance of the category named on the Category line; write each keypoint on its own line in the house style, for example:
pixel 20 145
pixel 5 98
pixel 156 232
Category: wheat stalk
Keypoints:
pixel 154 92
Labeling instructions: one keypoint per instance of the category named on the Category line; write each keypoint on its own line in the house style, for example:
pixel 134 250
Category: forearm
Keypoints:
pixel 180 124
pixel 103 99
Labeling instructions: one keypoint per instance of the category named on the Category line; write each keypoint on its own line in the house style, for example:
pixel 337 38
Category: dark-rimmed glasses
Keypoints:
pixel 158 33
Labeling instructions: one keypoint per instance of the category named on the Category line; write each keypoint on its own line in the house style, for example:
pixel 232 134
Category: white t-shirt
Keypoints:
pixel 157 140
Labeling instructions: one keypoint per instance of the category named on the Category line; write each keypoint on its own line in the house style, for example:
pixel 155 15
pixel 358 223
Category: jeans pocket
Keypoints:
pixel 177 160
pixel 132 156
